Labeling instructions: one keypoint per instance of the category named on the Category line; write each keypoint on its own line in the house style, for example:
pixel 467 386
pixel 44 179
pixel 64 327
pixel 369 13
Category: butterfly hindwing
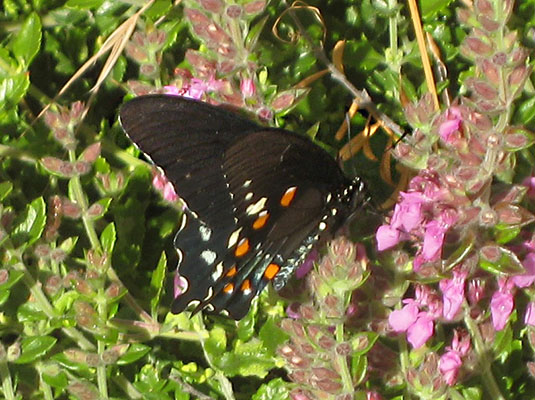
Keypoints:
pixel 258 197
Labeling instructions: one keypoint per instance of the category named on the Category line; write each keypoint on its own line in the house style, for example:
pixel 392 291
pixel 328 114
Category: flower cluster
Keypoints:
pixel 468 223
pixel 318 352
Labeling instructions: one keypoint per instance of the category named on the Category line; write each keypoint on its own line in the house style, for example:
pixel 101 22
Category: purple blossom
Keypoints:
pixel 387 237
pixel 529 316
pixel 451 125
pixel 451 362
pixel 418 324
pixel 421 330
pixel 247 87
pixel 453 293
pixel 401 320
pixel 179 285
pixel 449 365
pixel 528 277
pixel 501 306
pixel 162 184
pixel 529 182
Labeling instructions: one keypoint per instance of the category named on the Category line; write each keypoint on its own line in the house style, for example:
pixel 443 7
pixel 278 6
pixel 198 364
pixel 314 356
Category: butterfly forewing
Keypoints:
pixel 258 198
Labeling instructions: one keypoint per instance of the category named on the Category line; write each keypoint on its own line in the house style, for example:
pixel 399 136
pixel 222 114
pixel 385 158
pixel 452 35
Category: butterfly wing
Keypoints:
pixel 258 197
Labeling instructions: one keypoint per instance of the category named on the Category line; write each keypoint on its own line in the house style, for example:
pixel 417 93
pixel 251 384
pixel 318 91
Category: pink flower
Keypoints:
pixel 179 285
pixel 387 237
pixel 160 183
pixel 420 331
pixel 449 364
pixel 527 278
pixel 476 290
pixel 501 306
pixel 453 293
pixel 529 317
pixel 307 265
pixel 529 182
pixel 401 320
pixel 247 87
pixel 408 212
pixel 451 125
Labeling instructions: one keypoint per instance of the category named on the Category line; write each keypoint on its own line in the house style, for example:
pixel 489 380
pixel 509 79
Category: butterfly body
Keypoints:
pixel 257 198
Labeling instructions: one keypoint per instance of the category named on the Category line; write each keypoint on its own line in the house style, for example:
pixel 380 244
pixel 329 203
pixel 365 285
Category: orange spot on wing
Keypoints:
pixel 246 286
pixel 231 272
pixel 243 248
pixel 271 271
pixel 288 196
pixel 228 288
pixel 261 220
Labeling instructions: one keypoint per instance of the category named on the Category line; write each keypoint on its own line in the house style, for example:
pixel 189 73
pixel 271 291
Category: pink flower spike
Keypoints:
pixel 433 239
pixel 501 306
pixel 419 332
pixel 401 320
pixel 449 364
pixel 173 90
pixel 527 278
pixel 162 184
pixel 529 317
pixel 408 213
pixel 387 237
pixel 451 125
pixel 460 342
pixel 452 294
pixel 169 193
pixel 247 87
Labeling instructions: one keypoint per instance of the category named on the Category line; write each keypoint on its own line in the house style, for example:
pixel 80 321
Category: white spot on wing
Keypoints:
pixel 322 226
pixel 208 256
pixel 209 294
pixel 249 196
pixel 205 233
pixel 233 238
pixel 247 183
pixel 256 207
pixel 218 271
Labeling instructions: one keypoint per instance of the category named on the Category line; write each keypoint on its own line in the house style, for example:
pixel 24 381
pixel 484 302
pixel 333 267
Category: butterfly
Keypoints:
pixel 257 198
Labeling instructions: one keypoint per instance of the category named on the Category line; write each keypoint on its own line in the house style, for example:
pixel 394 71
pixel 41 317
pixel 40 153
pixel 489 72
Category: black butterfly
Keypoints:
pixel 258 198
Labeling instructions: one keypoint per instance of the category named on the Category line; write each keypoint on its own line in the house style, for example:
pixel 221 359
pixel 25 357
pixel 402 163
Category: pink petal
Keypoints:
pixel 386 237
pixel 401 320
pixel 419 332
pixel 501 306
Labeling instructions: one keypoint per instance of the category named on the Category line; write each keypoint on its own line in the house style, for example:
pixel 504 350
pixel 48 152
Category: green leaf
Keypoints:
pixel 108 237
pixel 471 393
pixel 499 260
pixel 13 88
pixel 247 359
pixel 157 283
pixel 359 368
pixel 135 352
pixel 429 8
pixel 272 336
pixel 28 40
pixel 31 227
pixel 35 347
pixel 275 389
pixel 5 189
pixel 158 9
pixel 30 312
pixel 84 4
pixel 216 344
